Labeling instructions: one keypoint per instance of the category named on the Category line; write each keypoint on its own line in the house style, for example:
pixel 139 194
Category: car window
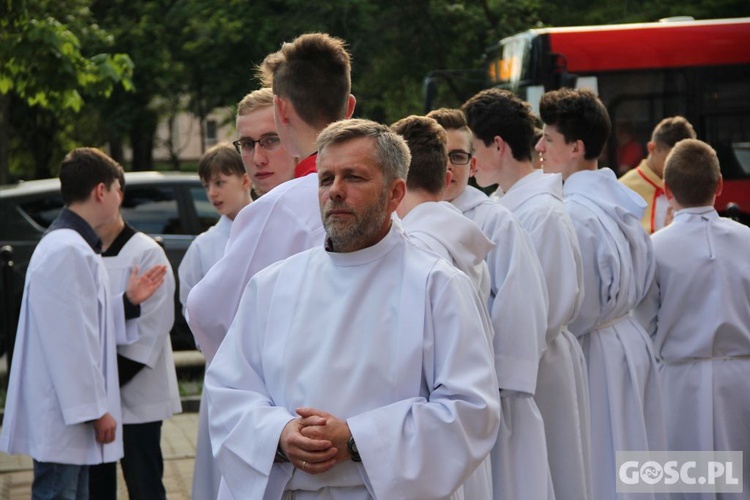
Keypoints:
pixel 207 214
pixel 43 210
pixel 152 210
pixel 16 225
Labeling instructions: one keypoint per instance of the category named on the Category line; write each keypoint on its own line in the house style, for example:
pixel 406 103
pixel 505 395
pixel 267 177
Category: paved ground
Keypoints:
pixel 179 434
pixel 177 444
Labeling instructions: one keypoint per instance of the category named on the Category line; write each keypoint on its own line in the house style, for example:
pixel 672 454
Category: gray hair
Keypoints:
pixel 391 152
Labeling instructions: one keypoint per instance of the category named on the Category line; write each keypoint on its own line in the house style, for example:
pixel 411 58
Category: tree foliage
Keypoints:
pixel 66 79
pixel 46 73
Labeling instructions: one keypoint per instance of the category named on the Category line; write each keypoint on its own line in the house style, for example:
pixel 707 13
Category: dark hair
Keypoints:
pixel 449 118
pixel 671 130
pixel 428 144
pixel 221 158
pixel 314 73
pixel 692 172
pixel 82 170
pixel 578 115
pixel 496 112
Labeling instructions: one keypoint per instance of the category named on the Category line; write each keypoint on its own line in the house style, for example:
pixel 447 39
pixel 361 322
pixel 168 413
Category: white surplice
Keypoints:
pixel 442 228
pixel 64 372
pixel 205 251
pixel 152 394
pixel 562 385
pixel 390 338
pixel 281 223
pixel 618 267
pixel 518 309
pixel 699 310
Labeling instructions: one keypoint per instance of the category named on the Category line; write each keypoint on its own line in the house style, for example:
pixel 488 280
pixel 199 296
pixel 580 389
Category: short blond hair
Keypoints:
pixel 257 99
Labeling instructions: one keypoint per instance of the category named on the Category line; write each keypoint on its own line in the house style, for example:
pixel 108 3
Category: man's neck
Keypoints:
pixel 514 171
pixel 580 166
pixel 414 198
pixel 109 232
pixel 305 140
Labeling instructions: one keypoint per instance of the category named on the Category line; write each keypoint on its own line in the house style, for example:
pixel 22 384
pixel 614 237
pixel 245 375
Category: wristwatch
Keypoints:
pixel 352 447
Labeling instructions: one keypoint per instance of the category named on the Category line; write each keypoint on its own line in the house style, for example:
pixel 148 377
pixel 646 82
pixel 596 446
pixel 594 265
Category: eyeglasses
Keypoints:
pixel 458 157
pixel 247 146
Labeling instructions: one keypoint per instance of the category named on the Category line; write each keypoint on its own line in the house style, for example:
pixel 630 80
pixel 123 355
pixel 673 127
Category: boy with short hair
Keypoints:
pixel 697 310
pixel 429 221
pixel 266 161
pixel 227 184
pixel 63 403
pixel 503 126
pixel 311 81
pixel 618 266
pixel 228 189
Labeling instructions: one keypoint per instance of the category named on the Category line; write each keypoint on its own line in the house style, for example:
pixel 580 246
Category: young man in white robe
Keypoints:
pixel 697 311
pixel 404 405
pixel 503 127
pixel 148 380
pixel 438 226
pixel 618 266
pixel 227 183
pixel 307 97
pixel 63 401
pixel 430 222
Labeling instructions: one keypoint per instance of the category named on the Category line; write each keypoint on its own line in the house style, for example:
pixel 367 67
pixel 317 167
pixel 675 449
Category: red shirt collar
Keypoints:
pixel 306 166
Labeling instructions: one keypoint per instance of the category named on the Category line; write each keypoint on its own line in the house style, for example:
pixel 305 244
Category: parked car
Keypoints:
pixel 171 207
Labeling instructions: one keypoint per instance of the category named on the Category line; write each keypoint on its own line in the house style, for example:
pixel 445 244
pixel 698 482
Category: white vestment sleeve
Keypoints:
pixel 403 443
pixel 245 426
pixel 264 232
pixel 67 311
pixel 189 272
pixel 157 313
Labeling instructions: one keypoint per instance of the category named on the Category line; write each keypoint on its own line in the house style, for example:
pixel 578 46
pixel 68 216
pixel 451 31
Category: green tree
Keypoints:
pixel 45 77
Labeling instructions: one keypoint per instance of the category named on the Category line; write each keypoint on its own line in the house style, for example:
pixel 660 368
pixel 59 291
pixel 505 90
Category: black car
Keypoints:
pixel 171 207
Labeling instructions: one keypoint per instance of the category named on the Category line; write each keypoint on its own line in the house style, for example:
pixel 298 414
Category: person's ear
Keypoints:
pixel 472 166
pixel 397 192
pixel 98 191
pixel 719 187
pixel 246 184
pixel 651 147
pixel 499 143
pixel 350 105
pixel 281 109
pixel 579 148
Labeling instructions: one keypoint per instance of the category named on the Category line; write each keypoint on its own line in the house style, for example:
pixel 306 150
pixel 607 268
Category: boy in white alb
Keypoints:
pixel 307 96
pixel 436 225
pixel 503 127
pixel 228 188
pixel 148 380
pixel 698 312
pixel 63 402
pixel 618 266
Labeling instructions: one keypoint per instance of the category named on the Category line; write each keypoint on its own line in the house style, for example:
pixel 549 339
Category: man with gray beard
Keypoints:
pixel 345 362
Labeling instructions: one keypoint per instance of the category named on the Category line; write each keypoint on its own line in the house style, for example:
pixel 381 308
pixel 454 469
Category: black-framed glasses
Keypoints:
pixel 459 157
pixel 247 146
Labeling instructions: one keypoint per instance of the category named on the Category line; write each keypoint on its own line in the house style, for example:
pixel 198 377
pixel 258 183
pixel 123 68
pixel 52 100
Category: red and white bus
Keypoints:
pixel 645 72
